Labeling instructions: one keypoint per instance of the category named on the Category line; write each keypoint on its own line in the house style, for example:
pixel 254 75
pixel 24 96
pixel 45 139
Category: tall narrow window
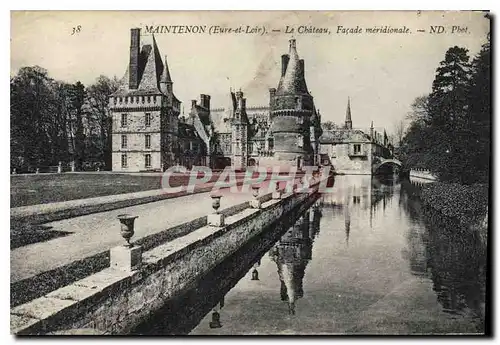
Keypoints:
pixel 147 119
pixel 357 148
pixel 147 160
pixel 124 142
pixel 124 120
pixel 270 143
pixel 124 160
pixel 148 141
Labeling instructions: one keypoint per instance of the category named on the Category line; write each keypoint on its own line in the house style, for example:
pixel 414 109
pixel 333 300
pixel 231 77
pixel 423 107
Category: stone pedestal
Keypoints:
pixel 255 203
pixel 215 219
pixel 126 258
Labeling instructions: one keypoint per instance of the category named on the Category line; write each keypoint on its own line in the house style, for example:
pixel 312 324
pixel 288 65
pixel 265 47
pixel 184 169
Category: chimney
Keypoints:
pixel 284 63
pixel 135 37
pixel 205 101
pixel 239 94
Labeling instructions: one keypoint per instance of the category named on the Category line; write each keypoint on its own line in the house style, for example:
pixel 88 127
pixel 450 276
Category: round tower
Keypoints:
pixel 291 110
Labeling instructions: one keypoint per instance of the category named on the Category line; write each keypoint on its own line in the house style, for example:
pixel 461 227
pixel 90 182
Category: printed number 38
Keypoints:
pixel 76 29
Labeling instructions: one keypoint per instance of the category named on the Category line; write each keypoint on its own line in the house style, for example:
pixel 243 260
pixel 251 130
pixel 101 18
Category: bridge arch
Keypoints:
pixel 387 163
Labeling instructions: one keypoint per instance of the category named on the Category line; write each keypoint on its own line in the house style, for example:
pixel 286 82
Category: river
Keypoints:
pixel 364 259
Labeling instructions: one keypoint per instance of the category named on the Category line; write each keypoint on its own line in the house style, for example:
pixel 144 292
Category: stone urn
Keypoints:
pixel 127 227
pixel 216 202
pixel 255 191
pixel 255 274
pixel 215 323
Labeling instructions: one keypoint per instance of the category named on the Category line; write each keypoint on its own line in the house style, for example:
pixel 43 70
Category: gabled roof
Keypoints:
pixel 342 136
pixel 151 72
pixel 187 131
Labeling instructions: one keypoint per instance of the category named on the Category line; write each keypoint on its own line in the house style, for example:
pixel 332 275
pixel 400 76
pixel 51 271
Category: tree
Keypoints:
pixel 32 100
pixel 419 109
pixel 399 132
pixel 329 125
pixel 77 97
pixel 449 131
pixel 99 115
pixel 480 111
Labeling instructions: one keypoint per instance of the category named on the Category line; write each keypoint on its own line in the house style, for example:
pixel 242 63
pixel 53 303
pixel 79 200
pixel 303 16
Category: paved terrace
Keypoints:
pixel 94 233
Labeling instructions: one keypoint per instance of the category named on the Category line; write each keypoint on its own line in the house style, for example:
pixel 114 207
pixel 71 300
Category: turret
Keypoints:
pixel 166 81
pixel 292 109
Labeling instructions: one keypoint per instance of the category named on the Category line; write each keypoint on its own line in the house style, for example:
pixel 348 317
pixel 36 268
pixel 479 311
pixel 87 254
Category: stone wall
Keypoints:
pixel 350 165
pixel 114 301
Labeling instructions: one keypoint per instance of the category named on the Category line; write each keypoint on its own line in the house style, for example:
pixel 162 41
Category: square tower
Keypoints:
pixel 144 112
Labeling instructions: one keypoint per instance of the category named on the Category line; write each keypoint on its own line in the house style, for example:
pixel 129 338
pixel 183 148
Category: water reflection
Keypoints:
pixel 451 254
pixel 381 264
pixel 292 254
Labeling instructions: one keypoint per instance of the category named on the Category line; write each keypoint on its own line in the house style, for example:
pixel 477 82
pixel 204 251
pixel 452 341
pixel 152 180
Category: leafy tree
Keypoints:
pixel 31 98
pixel 98 103
pixel 53 121
pixel 329 125
pixel 419 109
pixel 77 96
pixel 450 129
pixel 480 111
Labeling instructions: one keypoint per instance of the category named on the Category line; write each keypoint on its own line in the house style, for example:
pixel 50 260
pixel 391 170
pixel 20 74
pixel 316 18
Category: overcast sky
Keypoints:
pixel 382 73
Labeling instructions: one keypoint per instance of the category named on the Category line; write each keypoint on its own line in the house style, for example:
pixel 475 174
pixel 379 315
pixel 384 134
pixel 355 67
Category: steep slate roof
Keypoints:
pixel 151 72
pixel 342 136
pixel 293 81
pixel 187 131
pixel 166 73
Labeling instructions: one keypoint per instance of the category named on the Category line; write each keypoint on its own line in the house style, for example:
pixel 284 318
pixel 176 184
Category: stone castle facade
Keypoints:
pixel 149 135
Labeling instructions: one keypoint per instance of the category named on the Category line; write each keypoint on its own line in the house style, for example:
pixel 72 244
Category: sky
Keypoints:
pixel 381 73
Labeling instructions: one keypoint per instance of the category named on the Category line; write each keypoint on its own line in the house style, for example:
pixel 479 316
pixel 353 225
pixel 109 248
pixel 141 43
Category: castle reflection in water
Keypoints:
pixel 434 249
pixel 292 254
pixel 293 251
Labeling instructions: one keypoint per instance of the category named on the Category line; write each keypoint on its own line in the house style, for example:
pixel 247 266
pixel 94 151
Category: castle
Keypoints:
pixel 149 135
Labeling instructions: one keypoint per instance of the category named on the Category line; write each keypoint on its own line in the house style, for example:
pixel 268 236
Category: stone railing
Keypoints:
pixel 423 174
pixel 141 277
pixel 265 153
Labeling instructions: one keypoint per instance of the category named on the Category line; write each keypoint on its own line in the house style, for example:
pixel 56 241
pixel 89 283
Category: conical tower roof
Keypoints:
pixel 293 80
pixel 165 78
pixel 348 111
pixel 348 119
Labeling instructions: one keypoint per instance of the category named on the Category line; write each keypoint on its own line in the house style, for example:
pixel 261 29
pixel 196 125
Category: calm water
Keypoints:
pixel 365 259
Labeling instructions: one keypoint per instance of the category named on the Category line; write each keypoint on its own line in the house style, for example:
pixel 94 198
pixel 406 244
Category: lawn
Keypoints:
pixel 44 188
